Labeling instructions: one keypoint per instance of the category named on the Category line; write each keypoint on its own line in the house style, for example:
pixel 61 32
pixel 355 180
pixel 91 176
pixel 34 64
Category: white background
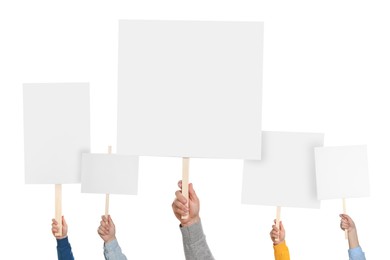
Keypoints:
pixel 326 69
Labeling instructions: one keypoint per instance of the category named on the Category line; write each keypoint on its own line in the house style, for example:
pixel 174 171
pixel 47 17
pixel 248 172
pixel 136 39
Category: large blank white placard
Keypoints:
pixel 56 131
pixel 285 176
pixel 190 89
pixel 342 172
pixel 109 174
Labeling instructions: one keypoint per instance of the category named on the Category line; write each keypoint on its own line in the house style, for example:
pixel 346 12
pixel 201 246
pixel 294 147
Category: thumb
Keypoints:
pixel 63 221
pixel 110 222
pixel 281 227
pixel 192 193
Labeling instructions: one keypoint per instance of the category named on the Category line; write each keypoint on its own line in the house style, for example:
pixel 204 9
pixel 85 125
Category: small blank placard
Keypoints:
pixel 56 131
pixel 342 172
pixel 109 173
pixel 285 176
pixel 190 89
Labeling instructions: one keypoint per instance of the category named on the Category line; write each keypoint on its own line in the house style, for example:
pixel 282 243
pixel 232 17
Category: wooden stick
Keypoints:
pixel 107 205
pixel 185 180
pixel 278 209
pixel 106 212
pixel 58 208
pixel 345 212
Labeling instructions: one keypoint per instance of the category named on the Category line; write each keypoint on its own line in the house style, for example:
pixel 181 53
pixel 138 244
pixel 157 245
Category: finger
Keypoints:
pixel 348 218
pixel 178 204
pixel 344 225
pixel 104 218
pixel 180 184
pixel 180 212
pixel 103 230
pixel 274 227
pixel 180 197
pixel 103 224
pixel 54 221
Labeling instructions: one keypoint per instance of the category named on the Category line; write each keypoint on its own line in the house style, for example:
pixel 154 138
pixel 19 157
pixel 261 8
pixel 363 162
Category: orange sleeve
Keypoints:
pixel 281 251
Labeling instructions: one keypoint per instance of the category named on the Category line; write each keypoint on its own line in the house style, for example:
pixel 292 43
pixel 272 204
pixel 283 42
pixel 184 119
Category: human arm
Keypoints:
pixel 278 236
pixel 64 250
pixel 194 240
pixel 355 251
pixel 106 230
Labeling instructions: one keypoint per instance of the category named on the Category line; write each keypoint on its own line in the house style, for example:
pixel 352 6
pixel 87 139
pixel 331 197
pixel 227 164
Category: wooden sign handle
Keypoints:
pixel 185 181
pixel 278 209
pixel 58 208
pixel 107 205
pixel 345 212
pixel 106 212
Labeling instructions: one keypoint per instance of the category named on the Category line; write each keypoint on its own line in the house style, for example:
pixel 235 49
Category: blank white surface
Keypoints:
pixel 190 89
pixel 109 173
pixel 342 172
pixel 285 176
pixel 321 74
pixel 56 131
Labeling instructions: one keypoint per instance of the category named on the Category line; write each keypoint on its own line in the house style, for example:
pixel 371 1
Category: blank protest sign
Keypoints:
pixel 56 131
pixel 190 89
pixel 285 176
pixel 109 174
pixel 342 172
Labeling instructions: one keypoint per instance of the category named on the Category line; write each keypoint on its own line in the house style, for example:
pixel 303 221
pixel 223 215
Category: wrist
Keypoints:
pixel 278 242
pixel 62 237
pixel 108 240
pixel 190 221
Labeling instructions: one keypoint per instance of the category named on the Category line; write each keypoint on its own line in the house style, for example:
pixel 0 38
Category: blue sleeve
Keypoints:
pixel 64 251
pixel 356 254
pixel 112 251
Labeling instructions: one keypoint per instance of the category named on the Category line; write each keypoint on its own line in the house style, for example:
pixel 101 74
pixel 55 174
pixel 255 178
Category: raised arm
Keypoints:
pixel 194 240
pixel 355 251
pixel 278 236
pixel 106 230
pixel 64 250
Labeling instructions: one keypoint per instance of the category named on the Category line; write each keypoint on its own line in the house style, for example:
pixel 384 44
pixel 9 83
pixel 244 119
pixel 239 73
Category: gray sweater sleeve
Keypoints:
pixel 194 242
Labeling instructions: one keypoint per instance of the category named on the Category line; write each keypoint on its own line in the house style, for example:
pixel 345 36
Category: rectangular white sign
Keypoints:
pixel 109 173
pixel 56 131
pixel 190 89
pixel 285 176
pixel 342 172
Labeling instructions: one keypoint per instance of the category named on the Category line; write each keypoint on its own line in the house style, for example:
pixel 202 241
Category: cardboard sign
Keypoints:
pixel 190 89
pixel 285 176
pixel 56 131
pixel 342 172
pixel 109 174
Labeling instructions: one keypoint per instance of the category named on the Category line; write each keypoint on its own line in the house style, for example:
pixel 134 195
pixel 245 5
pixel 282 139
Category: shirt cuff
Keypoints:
pixel 63 242
pixel 111 246
pixel 354 252
pixel 281 245
pixel 192 234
